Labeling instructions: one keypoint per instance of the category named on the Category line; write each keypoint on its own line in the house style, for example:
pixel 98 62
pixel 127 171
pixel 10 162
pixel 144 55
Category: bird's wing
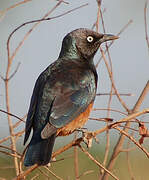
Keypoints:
pixel 68 107
pixel 33 105
pixel 70 103
pixel 58 98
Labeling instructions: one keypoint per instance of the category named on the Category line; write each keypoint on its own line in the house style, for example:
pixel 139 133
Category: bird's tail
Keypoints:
pixel 39 151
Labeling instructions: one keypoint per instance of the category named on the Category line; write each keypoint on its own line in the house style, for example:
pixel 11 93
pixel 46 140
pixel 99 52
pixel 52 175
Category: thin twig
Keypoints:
pixel 3 12
pixel 128 160
pixel 18 123
pixel 121 139
pixel 25 173
pixel 10 154
pixel 37 175
pixel 145 23
pixel 37 22
pixel 113 94
pixel 112 81
pixel 13 115
pixel 95 161
pixel 10 60
pixel 76 163
pixel 133 140
pixel 66 147
pixel 4 139
pixel 44 173
pixel 110 44
pixel 126 119
pixel 113 110
pixel 12 75
pixel 8 148
pixel 141 98
pixel 110 97
pixel 57 177
pixel 79 140
pixel 85 173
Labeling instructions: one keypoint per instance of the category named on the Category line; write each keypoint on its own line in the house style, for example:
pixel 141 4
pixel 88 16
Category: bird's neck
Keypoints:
pixel 69 51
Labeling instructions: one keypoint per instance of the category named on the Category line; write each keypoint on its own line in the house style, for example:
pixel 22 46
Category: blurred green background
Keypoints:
pixel 65 168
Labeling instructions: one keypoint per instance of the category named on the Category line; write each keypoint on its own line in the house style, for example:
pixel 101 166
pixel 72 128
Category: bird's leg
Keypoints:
pixel 87 136
pixel 83 130
pixel 48 165
pixel 52 160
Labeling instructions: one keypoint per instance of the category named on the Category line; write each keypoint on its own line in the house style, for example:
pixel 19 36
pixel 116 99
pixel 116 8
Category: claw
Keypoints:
pixel 88 138
pixel 83 130
pixel 48 165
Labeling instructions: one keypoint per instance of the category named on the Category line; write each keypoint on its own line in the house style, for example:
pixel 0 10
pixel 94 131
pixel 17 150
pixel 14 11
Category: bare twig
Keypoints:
pixel 95 161
pixel 145 23
pixel 113 110
pixel 18 123
pixel 110 44
pixel 111 91
pixel 11 76
pixel 76 163
pixel 7 78
pixel 57 177
pixel 85 173
pixel 79 140
pixel 141 98
pixel 10 154
pixel 128 160
pixel 113 94
pixel 119 144
pixel 4 139
pixel 25 173
pixel 8 148
pixel 126 119
pixel 37 22
pixel 3 12
pixel 1 110
pixel 44 173
pixel 112 81
pixel 66 147
pixel 37 175
pixel 133 140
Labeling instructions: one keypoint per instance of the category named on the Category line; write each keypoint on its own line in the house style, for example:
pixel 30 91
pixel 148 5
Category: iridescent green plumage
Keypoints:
pixel 61 93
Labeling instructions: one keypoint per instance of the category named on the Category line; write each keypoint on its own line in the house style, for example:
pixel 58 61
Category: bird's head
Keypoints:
pixel 83 43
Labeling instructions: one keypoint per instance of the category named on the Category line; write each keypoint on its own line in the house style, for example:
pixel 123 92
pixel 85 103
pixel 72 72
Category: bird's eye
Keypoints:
pixel 90 39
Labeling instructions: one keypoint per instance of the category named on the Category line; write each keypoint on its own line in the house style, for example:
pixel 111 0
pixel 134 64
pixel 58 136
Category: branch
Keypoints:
pixel 7 78
pixel 37 22
pixel 112 81
pixel 98 164
pixel 133 140
pixel 145 23
pixel 108 94
pixel 110 44
pixel 1 110
pixel 119 144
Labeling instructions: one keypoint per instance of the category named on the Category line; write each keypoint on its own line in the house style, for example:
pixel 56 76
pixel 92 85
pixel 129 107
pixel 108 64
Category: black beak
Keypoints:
pixel 108 37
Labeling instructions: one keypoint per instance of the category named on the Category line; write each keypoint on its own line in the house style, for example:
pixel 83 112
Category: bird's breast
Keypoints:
pixel 76 123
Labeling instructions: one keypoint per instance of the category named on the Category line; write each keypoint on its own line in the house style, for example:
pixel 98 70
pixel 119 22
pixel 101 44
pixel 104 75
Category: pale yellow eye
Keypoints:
pixel 90 39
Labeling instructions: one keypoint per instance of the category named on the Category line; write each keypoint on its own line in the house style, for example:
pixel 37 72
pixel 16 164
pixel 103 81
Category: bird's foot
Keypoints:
pixel 88 137
pixel 82 130
pixel 52 160
pixel 48 165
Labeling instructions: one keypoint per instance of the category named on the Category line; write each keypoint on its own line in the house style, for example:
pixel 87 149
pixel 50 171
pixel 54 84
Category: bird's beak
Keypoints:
pixel 108 37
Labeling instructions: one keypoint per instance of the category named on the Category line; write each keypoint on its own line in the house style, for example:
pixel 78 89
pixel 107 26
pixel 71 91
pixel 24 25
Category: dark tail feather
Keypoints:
pixel 39 151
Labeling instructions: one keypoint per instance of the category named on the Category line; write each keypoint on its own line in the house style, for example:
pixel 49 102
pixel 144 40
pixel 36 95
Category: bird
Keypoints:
pixel 63 94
